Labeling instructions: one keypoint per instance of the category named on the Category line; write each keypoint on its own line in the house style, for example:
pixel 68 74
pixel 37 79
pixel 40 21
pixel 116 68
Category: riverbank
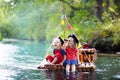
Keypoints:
pixel 108 55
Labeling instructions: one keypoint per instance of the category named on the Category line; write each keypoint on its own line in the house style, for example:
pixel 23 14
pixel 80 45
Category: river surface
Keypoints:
pixel 19 61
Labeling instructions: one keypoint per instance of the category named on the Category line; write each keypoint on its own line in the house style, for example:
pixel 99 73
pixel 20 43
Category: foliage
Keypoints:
pixel 1 37
pixel 39 20
pixel 107 38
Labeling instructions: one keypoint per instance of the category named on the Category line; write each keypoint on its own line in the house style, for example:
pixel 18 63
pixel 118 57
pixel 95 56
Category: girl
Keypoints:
pixel 72 56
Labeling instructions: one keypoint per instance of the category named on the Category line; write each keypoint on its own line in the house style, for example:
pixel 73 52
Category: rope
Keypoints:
pixel 55 35
pixel 64 16
pixel 69 25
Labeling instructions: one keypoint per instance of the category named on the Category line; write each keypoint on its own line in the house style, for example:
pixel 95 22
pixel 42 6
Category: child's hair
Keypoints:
pixel 59 39
pixel 55 40
pixel 75 44
pixel 76 41
pixel 74 37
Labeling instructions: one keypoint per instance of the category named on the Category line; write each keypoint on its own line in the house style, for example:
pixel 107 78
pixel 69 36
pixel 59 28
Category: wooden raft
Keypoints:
pixel 61 68
pixel 87 57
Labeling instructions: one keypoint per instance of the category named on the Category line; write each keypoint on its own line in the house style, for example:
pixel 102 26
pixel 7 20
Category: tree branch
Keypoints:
pixel 72 7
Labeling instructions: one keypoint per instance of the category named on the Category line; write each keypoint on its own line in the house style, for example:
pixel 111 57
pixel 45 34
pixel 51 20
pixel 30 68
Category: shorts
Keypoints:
pixel 70 62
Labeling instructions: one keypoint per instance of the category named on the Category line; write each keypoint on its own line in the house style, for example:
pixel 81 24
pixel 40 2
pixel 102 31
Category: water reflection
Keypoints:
pixel 6 61
pixel 54 75
pixel 117 77
pixel 61 75
pixel 19 61
pixel 87 76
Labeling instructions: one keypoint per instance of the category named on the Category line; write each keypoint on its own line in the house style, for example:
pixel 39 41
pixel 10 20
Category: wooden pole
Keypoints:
pixel 63 10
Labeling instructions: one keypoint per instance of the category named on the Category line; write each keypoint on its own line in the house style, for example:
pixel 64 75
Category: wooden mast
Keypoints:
pixel 64 16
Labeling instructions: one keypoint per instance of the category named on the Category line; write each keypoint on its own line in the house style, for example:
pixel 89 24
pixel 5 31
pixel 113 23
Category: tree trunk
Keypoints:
pixel 107 5
pixel 98 9
pixel 117 2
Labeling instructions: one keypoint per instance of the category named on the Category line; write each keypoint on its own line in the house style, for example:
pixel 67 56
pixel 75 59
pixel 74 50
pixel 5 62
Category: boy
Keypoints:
pixel 59 55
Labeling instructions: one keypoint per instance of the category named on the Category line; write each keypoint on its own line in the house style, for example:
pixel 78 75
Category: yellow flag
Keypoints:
pixel 79 45
pixel 63 22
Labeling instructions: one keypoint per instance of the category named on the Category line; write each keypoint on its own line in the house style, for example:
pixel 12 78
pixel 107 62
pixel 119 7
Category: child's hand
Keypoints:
pixel 61 63
pixel 50 63
pixel 65 40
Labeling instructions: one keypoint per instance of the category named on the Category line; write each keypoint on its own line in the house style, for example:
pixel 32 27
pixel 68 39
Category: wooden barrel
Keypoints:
pixel 87 55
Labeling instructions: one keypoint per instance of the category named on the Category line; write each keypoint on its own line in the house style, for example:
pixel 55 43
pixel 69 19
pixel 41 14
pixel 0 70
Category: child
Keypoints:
pixel 72 56
pixel 59 54
pixel 85 45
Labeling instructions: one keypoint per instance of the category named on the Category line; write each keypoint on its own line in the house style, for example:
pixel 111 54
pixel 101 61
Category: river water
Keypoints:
pixel 19 61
